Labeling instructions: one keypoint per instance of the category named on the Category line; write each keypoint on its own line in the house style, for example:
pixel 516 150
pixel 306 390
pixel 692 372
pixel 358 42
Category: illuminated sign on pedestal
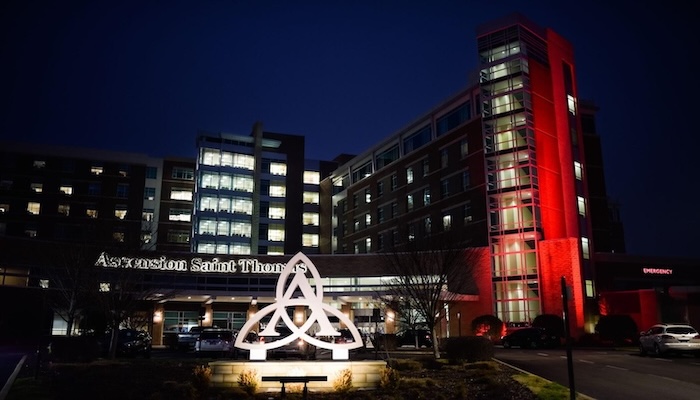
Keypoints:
pixel 317 319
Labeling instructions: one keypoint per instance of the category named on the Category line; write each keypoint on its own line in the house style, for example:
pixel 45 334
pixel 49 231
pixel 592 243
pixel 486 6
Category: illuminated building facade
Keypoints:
pixel 256 194
pixel 503 163
pixel 512 165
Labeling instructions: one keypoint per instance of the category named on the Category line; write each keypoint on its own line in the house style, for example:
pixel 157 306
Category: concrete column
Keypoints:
pixel 390 318
pixel 252 310
pixel 299 315
pixel 349 312
pixel 158 323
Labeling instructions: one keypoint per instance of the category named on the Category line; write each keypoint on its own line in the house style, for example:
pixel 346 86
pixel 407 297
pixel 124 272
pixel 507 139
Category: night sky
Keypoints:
pixel 145 76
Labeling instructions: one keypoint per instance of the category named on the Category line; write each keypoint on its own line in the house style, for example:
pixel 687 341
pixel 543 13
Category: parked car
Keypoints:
pixel 130 342
pixel 669 338
pixel 186 339
pixel 296 349
pixel 251 337
pixel 531 338
pixel 415 337
pixel 214 341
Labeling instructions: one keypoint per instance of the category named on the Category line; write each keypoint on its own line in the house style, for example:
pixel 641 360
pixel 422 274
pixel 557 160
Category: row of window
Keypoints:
pixel 95 169
pixel 93 189
pixel 446 186
pixel 466 213
pixel 34 208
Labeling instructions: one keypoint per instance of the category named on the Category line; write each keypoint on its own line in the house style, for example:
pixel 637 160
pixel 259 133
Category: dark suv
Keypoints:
pixel 530 338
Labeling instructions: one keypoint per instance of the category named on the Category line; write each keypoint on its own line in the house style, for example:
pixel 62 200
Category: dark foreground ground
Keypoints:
pixel 173 379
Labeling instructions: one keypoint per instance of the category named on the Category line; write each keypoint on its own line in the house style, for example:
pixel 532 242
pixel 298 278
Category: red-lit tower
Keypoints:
pixel 537 192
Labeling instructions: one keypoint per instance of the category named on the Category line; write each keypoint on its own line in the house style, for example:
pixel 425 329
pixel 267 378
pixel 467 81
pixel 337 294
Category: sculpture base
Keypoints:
pixel 365 374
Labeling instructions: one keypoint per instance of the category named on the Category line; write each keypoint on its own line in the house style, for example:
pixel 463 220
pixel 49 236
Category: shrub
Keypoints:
pixel 389 378
pixel 201 377
pixel 405 365
pixel 469 348
pixel 489 326
pixel 172 390
pixel 620 329
pixel 248 380
pixel 74 349
pixel 343 381
pixel 431 363
pixel 552 323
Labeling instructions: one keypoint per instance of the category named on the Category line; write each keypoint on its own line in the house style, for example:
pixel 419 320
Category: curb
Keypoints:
pixel 579 395
pixel 6 389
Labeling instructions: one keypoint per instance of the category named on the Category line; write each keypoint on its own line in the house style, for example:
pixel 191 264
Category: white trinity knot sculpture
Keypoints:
pixel 318 317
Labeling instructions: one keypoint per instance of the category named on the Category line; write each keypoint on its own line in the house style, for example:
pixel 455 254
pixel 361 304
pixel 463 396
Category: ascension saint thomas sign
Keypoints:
pixel 297 293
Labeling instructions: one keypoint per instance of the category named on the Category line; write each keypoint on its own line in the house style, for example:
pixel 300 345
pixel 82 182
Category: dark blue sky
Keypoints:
pixel 145 76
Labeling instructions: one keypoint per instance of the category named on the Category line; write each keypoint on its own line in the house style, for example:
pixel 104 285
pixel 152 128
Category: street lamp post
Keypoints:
pixel 459 324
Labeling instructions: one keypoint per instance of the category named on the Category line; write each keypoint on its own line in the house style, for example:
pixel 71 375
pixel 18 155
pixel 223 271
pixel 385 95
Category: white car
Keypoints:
pixel 669 338
pixel 215 342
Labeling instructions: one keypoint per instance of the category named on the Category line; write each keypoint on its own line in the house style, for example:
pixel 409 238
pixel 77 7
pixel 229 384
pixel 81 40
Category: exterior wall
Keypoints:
pixel 560 258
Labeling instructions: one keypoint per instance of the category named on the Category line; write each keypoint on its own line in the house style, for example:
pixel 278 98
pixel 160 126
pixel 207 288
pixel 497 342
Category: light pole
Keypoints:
pixel 459 324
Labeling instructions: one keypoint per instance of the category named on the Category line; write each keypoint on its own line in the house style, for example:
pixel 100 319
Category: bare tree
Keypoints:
pixel 67 268
pixel 426 275
pixel 125 300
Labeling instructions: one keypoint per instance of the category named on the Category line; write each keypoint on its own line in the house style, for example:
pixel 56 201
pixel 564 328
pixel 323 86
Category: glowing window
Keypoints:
pixel 33 208
pixel 446 222
pixel 581 202
pixel 210 180
pixel 278 168
pixel 276 233
pixel 368 245
pixel 240 229
pixel 96 170
pixel 585 249
pixel 311 198
pixel 147 215
pixel 104 287
pixel 368 219
pixel 578 170
pixel 179 214
pixel 409 175
pixel 309 218
pixel 181 194
pixel 120 212
pixel 242 205
pixel 276 211
pixel 309 240
pixel 37 187
pixel 278 189
pixel 243 183
pixel 210 157
pixel 91 212
pixel 66 189
pixel 207 227
pixel 226 159
pixel 244 161
pixel 590 288
pixel 312 177
pixel 571 103
pixel 275 250
pixel 240 248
